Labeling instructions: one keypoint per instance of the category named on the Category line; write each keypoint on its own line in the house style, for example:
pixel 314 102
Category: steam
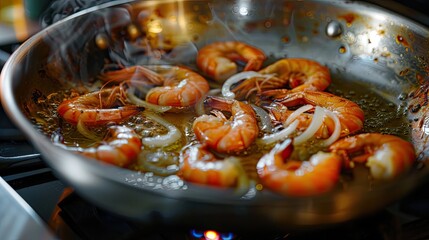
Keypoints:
pixel 59 10
pixel 163 34
pixel 72 45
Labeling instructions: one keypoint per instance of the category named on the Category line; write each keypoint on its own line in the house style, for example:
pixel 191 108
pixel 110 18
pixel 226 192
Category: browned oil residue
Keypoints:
pixel 420 78
pixel 376 60
pixel 285 39
pixel 349 18
pixel 286 21
pixel 268 23
pixel 404 72
pixel 401 40
pixel 342 50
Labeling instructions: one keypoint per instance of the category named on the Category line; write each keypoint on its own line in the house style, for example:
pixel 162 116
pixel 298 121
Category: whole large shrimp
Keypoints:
pixel 106 105
pixel 201 166
pixel 295 74
pixel 217 60
pixel 176 86
pixel 227 135
pixel 387 156
pixel 318 175
pixel 350 115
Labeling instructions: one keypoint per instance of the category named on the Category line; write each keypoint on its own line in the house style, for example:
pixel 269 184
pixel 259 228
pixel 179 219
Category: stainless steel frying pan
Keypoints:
pixel 358 41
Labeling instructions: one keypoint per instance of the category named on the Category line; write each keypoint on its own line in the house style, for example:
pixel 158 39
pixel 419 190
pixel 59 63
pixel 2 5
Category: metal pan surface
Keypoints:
pixel 360 43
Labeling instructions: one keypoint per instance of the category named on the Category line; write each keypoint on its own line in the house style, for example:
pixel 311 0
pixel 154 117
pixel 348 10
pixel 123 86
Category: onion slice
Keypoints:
pixel 280 135
pixel 171 137
pixel 199 106
pixel 265 124
pixel 316 122
pixel 141 103
pixel 86 132
pixel 298 112
pixel 226 87
pixel 337 131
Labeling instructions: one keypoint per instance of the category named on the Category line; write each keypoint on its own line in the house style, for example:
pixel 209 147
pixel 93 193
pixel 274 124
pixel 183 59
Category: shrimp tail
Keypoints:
pixel 219 103
pixel 253 64
pixel 140 73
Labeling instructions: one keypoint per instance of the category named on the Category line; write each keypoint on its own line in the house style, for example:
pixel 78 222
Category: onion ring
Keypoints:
pixel 199 106
pixel 337 131
pixel 84 130
pixel 171 137
pixel 141 103
pixel 226 87
pixel 316 122
pixel 280 135
pixel 298 112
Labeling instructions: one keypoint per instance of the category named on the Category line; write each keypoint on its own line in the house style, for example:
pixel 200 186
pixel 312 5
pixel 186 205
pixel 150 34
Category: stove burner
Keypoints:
pixel 211 235
pixel 90 222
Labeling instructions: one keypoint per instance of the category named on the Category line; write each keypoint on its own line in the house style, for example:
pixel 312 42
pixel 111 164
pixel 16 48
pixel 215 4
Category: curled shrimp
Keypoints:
pixel 387 156
pixel 293 73
pixel 120 147
pixel 318 175
pixel 216 60
pixel 199 165
pixel 227 135
pixel 95 108
pixel 176 86
pixel 350 115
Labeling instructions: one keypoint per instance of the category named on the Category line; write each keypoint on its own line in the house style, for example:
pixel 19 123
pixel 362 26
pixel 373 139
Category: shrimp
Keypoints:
pixel 387 156
pixel 95 108
pixel 120 147
pixel 318 175
pixel 295 74
pixel 279 114
pixel 177 86
pixel 350 115
pixel 216 60
pixel 201 166
pixel 227 135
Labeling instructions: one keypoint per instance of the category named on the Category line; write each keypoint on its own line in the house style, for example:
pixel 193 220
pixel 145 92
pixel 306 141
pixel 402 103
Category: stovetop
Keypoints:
pixel 65 214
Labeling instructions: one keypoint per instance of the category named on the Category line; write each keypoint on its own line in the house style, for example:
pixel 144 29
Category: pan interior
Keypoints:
pixel 376 59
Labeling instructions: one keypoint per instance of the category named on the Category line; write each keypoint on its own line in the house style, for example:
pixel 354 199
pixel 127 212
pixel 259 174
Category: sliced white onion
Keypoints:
pixel 199 106
pixel 226 87
pixel 280 135
pixel 265 124
pixel 337 131
pixel 298 112
pixel 171 137
pixel 316 122
pixel 141 103
pixel 83 129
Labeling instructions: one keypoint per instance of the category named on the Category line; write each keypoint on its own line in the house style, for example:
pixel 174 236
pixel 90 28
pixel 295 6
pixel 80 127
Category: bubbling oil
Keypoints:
pixel 380 116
